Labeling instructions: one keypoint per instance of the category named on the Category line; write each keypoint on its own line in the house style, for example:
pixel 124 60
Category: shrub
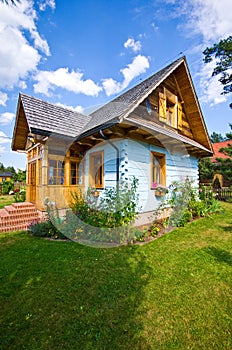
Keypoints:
pixel 108 218
pixel 19 195
pixel 188 202
pixel 7 186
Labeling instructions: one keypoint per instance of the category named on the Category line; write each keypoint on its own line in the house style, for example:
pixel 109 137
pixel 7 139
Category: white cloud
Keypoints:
pixel 154 26
pixel 78 109
pixel 3 98
pixel 210 18
pixel 6 118
pixel 62 78
pixel 4 138
pixel 21 44
pixel 134 45
pixel 2 149
pixel 138 66
pixel 212 21
pixel 211 88
pixel 22 85
pixel 47 3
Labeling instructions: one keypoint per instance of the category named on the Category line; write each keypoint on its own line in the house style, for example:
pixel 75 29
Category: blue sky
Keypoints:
pixel 83 53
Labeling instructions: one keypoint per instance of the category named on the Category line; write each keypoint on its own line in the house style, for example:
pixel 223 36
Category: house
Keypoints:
pixel 155 131
pixel 216 150
pixel 217 154
pixel 5 176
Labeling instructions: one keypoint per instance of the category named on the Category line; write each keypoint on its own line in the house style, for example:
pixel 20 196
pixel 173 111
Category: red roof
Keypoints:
pixel 216 147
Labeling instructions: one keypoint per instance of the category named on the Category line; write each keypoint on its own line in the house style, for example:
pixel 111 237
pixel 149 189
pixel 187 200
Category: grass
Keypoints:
pixel 6 200
pixel 173 293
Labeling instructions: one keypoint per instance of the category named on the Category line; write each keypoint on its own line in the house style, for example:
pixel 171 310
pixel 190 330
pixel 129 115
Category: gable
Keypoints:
pixel 37 117
pixel 174 82
pixel 178 89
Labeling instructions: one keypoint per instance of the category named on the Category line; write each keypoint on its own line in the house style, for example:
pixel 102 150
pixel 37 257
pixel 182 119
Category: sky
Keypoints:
pixel 83 53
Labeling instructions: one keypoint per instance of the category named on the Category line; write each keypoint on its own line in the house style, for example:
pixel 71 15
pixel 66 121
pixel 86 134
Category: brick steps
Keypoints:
pixel 18 217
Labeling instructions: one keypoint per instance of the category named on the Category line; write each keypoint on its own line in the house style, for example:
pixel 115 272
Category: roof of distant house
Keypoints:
pixel 216 149
pixel 6 174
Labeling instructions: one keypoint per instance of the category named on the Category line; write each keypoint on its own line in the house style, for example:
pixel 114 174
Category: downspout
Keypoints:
pixel 117 156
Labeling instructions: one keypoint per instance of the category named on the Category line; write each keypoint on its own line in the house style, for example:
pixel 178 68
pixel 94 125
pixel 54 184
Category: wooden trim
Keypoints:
pixel 162 160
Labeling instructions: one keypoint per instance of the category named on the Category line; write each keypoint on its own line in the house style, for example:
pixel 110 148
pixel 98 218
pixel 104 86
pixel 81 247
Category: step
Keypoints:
pixel 18 216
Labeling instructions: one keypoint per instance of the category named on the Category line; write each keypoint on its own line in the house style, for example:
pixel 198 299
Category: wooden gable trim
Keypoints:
pixel 21 129
pixel 144 96
pixel 193 109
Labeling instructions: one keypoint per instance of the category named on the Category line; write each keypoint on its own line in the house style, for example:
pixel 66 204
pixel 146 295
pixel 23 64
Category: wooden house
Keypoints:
pixel 5 176
pixel 155 131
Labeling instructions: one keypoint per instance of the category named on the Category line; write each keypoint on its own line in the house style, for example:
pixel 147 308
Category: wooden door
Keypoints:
pixel 32 181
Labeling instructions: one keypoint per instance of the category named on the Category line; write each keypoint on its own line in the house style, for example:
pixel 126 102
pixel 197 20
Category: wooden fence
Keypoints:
pixel 223 193
pixel 16 185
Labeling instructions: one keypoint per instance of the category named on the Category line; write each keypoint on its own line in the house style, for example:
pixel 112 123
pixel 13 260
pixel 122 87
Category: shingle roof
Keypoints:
pixel 217 154
pixel 46 117
pixel 123 103
pixel 7 174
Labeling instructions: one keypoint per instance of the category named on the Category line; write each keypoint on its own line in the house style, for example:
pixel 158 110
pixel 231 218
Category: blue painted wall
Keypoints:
pixel 135 161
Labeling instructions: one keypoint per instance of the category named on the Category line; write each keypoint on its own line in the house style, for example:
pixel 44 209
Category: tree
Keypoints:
pixel 215 137
pixel 224 165
pixel 206 169
pixel 222 52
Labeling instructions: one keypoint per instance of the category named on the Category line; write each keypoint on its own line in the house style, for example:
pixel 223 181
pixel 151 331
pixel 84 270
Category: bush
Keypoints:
pixel 7 186
pixel 19 195
pixel 108 218
pixel 188 202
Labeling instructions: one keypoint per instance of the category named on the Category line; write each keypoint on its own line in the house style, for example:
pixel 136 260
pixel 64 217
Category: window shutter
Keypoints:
pixel 162 107
pixel 180 116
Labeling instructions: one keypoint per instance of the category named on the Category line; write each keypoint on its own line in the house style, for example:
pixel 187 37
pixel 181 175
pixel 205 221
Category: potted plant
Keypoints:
pixel 160 190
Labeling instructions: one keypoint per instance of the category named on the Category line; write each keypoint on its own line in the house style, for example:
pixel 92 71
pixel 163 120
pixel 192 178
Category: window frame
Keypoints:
pixel 168 98
pixel 99 184
pixel 57 169
pixel 161 157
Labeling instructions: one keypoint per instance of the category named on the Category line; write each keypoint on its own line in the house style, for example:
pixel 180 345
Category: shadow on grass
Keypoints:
pixel 227 228
pixel 84 298
pixel 220 254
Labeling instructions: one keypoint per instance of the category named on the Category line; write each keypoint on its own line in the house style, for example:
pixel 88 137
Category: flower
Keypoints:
pixel 159 188
pixel 16 190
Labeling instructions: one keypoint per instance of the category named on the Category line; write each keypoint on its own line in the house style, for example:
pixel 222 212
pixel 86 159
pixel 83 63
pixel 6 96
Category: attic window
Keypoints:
pixel 148 106
pixel 168 108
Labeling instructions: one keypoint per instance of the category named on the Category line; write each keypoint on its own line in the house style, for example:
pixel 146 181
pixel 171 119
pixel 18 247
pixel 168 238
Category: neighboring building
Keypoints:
pixel 5 176
pixel 155 131
pixel 216 150
pixel 217 154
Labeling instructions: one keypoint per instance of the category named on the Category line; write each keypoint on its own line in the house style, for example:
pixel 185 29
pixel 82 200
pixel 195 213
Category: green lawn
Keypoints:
pixel 6 200
pixel 173 293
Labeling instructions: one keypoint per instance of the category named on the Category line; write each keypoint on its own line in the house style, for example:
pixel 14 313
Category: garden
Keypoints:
pixel 173 293
pixel 109 221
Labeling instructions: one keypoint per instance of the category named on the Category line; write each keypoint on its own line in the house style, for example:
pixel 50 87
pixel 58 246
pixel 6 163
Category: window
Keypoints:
pixel 96 169
pixel 168 108
pixel 55 172
pixel 148 106
pixel 74 173
pixel 158 169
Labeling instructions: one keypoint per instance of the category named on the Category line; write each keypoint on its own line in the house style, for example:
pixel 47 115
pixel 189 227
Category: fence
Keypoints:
pixel 16 185
pixel 223 193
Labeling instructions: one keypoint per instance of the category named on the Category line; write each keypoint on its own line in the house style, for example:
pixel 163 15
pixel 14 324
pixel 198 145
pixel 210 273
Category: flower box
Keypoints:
pixel 159 193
